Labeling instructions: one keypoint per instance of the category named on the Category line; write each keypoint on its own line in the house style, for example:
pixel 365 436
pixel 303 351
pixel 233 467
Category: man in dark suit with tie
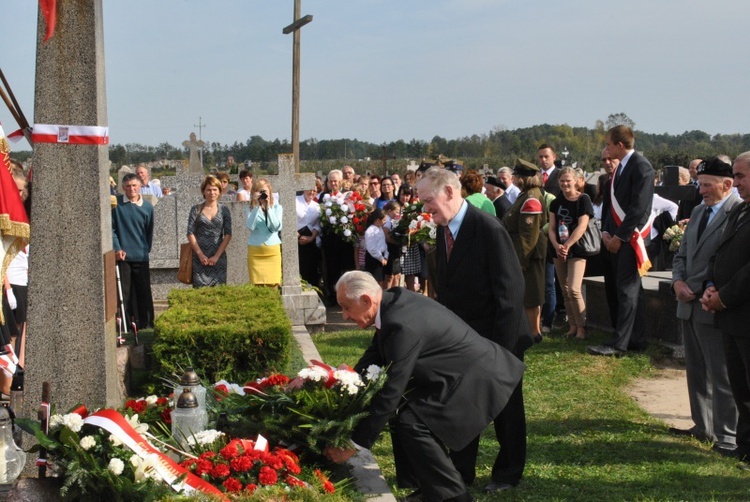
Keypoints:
pixel 629 202
pixel 712 406
pixel 478 278
pixel 728 295
pixel 553 298
pixel 445 382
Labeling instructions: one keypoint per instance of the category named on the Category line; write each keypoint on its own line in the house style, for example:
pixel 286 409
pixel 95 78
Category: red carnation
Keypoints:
pixel 162 401
pixel 166 415
pixel 203 467
pixel 130 403
pixel 251 487
pixel 220 471
pixel 229 451
pixel 427 216
pixel 232 485
pixel 274 461
pixel 267 476
pixel 242 463
pixel 274 380
pixel 140 406
pixel 292 481
pixel 327 485
pixel 207 454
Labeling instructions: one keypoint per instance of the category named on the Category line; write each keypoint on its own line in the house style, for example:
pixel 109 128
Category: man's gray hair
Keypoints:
pixel 336 172
pixel 744 157
pixel 358 283
pixel 438 178
pixel 506 170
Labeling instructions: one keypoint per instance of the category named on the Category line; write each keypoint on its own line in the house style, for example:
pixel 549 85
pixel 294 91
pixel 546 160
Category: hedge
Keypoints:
pixel 236 333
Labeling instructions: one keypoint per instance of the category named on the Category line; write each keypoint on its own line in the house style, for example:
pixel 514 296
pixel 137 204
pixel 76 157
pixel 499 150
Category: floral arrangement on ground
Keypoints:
pixel 130 453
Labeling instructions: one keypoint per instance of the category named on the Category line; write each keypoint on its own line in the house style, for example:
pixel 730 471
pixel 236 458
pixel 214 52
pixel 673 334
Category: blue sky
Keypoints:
pixel 381 70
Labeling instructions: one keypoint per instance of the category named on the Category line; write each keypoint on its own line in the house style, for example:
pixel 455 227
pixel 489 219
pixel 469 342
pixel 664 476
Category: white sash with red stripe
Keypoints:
pixel 70 134
pixel 170 471
pixel 636 239
pixel 9 361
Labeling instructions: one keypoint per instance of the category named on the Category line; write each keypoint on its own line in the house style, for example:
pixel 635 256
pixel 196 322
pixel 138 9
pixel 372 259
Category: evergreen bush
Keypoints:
pixel 236 333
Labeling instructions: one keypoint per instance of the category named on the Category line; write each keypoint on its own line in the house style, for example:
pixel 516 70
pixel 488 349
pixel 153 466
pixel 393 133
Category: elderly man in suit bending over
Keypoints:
pixel 712 407
pixel 445 380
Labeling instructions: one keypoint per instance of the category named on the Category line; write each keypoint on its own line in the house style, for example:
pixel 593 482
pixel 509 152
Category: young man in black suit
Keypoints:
pixel 478 278
pixel 629 203
pixel 446 381
pixel 727 296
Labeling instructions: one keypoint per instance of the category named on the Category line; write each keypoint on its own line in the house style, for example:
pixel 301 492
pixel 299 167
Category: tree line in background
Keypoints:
pixel 497 148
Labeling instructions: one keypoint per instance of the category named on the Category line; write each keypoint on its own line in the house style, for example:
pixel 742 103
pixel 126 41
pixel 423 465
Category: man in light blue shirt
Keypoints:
pixel 149 187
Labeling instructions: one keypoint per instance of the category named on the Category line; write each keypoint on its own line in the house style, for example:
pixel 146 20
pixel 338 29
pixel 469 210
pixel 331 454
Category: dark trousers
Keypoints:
pixel 610 283
pixel 339 258
pixel 309 263
pixel 427 460
pixel 135 278
pixel 510 429
pixel 630 328
pixel 737 352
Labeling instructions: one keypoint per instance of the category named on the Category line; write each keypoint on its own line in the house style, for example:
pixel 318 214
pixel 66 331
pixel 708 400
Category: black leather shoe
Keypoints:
pixel 538 338
pixel 496 486
pixel 727 452
pixel 676 431
pixel 604 350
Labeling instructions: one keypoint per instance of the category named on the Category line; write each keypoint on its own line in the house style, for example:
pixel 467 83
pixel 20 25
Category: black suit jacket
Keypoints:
pixel 730 273
pixel 634 191
pixel 482 283
pixel 553 184
pixel 454 380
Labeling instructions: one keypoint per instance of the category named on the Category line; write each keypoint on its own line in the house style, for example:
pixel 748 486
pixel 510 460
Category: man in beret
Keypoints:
pixel 712 406
pixel 629 202
pixel 495 190
pixel 726 294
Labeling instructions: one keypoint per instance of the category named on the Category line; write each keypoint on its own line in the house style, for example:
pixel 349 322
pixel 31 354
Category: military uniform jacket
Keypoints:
pixel 524 221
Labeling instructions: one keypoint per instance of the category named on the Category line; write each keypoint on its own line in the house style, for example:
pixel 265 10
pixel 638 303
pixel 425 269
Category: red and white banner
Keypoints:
pixel 114 423
pixel 70 134
pixel 636 239
pixel 9 361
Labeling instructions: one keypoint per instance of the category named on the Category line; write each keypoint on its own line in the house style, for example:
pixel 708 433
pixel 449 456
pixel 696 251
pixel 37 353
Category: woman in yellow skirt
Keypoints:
pixel 264 244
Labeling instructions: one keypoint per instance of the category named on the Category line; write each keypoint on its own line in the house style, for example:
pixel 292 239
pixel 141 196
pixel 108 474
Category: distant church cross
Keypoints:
pixel 295 28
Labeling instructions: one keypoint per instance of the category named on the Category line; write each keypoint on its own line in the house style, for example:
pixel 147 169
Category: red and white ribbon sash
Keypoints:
pixel 636 239
pixel 70 134
pixel 15 136
pixel 114 423
pixel 9 361
pixel 331 381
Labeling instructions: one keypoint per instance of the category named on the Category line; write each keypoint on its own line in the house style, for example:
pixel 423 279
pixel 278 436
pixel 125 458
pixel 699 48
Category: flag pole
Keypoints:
pixel 15 108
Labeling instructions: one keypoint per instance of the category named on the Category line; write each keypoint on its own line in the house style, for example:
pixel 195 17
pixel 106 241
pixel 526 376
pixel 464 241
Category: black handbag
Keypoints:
pixel 590 242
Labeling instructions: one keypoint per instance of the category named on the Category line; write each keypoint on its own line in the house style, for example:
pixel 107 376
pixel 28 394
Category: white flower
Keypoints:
pixel 348 380
pixel 345 207
pixel 328 204
pixel 313 373
pixel 116 466
pixel 55 421
pixel 151 400
pixel 344 220
pixel 420 218
pixel 115 440
pixel 332 219
pixel 329 212
pixel 205 437
pixel 433 233
pixel 145 468
pixel 73 421
pixel 347 233
pixel 373 371
pixel 135 424
pixel 327 197
pixel 88 442
pixel 413 224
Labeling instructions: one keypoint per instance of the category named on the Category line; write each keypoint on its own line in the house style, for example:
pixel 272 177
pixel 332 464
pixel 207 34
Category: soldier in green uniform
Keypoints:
pixel 524 222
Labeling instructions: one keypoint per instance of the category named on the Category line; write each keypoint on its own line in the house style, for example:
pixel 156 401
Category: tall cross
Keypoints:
pixel 385 158
pixel 295 28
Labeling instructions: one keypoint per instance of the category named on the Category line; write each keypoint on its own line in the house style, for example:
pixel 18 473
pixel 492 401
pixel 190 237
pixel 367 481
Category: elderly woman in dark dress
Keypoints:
pixel 209 231
pixel 524 221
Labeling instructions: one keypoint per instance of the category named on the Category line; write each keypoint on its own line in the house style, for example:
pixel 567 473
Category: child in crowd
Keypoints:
pixel 377 250
pixel 393 267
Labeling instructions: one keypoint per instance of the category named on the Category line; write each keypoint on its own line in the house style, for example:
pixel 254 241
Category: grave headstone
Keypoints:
pixel 195 166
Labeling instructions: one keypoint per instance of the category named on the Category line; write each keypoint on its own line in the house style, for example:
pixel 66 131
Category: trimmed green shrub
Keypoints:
pixel 236 333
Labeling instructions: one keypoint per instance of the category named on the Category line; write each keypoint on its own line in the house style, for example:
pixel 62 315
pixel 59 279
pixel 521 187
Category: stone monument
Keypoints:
pixel 72 341
pixel 195 166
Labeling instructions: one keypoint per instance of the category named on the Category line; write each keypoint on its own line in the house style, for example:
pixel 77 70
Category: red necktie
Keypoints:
pixel 545 176
pixel 448 243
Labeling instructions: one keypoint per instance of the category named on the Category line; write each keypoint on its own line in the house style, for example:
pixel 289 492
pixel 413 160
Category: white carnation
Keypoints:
pixel 151 400
pixel 116 466
pixel 55 421
pixel 73 421
pixel 347 233
pixel 332 219
pixel 373 372
pixel 348 380
pixel 344 220
pixel 314 373
pixel 205 437
pixel 433 233
pixel 345 207
pixel 115 440
pixel 327 197
pixel 88 442
pixel 413 224
pixel 329 212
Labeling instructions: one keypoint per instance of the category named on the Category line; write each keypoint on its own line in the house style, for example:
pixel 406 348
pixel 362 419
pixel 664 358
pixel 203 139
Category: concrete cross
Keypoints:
pixel 195 166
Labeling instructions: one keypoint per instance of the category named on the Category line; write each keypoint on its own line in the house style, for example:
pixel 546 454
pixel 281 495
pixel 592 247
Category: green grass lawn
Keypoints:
pixel 587 440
